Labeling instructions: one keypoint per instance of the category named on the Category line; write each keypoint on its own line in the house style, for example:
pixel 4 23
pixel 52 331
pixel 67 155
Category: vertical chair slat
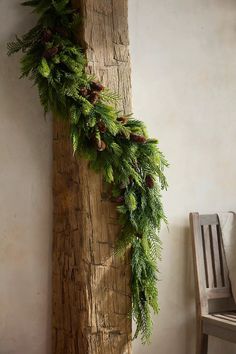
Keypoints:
pixel 221 256
pixel 214 256
pixel 199 267
pixel 204 250
pixel 219 276
pixel 209 256
pixel 224 266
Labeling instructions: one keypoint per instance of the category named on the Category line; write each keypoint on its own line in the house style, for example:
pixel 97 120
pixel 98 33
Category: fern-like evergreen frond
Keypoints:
pixel 118 146
pixel 14 47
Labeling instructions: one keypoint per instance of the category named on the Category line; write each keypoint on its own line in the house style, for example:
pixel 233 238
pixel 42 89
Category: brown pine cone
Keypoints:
pixel 138 138
pixel 101 145
pixel 122 120
pixel 149 181
pixel 50 53
pixel 101 126
pixel 121 136
pixel 93 97
pixel 84 91
pixel 96 86
pixel 120 199
pixel 47 35
pixel 61 31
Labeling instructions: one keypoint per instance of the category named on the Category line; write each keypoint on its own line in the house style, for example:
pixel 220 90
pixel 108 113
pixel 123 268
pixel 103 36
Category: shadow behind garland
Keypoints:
pixel 114 144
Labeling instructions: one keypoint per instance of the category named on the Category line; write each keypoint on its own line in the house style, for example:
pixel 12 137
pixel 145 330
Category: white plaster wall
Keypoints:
pixel 184 88
pixel 25 202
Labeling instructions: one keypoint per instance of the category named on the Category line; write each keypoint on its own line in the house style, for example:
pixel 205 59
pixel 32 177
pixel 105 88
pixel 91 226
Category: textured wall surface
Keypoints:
pixel 184 88
pixel 25 202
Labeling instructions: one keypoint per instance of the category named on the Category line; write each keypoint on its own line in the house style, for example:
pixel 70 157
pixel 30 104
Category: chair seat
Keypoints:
pixel 221 325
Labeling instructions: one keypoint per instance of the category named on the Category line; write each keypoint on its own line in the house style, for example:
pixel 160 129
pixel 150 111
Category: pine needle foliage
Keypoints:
pixel 117 146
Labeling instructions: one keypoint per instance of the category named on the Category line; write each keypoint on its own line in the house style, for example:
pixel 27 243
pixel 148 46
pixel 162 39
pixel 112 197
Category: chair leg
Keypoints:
pixel 202 342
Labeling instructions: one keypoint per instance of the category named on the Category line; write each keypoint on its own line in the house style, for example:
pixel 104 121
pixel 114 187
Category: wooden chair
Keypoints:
pixel 216 309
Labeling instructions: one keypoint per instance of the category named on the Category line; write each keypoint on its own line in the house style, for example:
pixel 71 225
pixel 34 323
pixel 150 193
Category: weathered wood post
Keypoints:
pixel 91 287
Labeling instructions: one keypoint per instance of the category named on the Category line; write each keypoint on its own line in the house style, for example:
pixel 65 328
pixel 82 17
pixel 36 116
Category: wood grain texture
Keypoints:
pixel 212 283
pixel 91 287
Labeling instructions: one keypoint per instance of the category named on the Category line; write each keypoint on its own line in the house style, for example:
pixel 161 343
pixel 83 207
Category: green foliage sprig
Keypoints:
pixel 114 144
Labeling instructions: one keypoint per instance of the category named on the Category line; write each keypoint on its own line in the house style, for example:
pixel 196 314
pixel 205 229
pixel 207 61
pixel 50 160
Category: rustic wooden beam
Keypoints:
pixel 91 287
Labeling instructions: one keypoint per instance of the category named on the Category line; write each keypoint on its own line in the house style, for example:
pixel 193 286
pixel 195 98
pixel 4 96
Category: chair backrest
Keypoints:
pixel 211 272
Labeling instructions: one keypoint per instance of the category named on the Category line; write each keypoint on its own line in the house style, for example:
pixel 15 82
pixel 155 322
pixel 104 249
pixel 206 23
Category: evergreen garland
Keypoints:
pixel 115 144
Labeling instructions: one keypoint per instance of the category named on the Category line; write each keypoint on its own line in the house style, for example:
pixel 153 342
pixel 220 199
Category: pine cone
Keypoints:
pixel 138 138
pixel 47 35
pixel 84 91
pixel 101 145
pixel 101 126
pixel 149 181
pixel 50 53
pixel 121 136
pixel 93 97
pixel 61 31
pixel 120 199
pixel 122 120
pixel 96 86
